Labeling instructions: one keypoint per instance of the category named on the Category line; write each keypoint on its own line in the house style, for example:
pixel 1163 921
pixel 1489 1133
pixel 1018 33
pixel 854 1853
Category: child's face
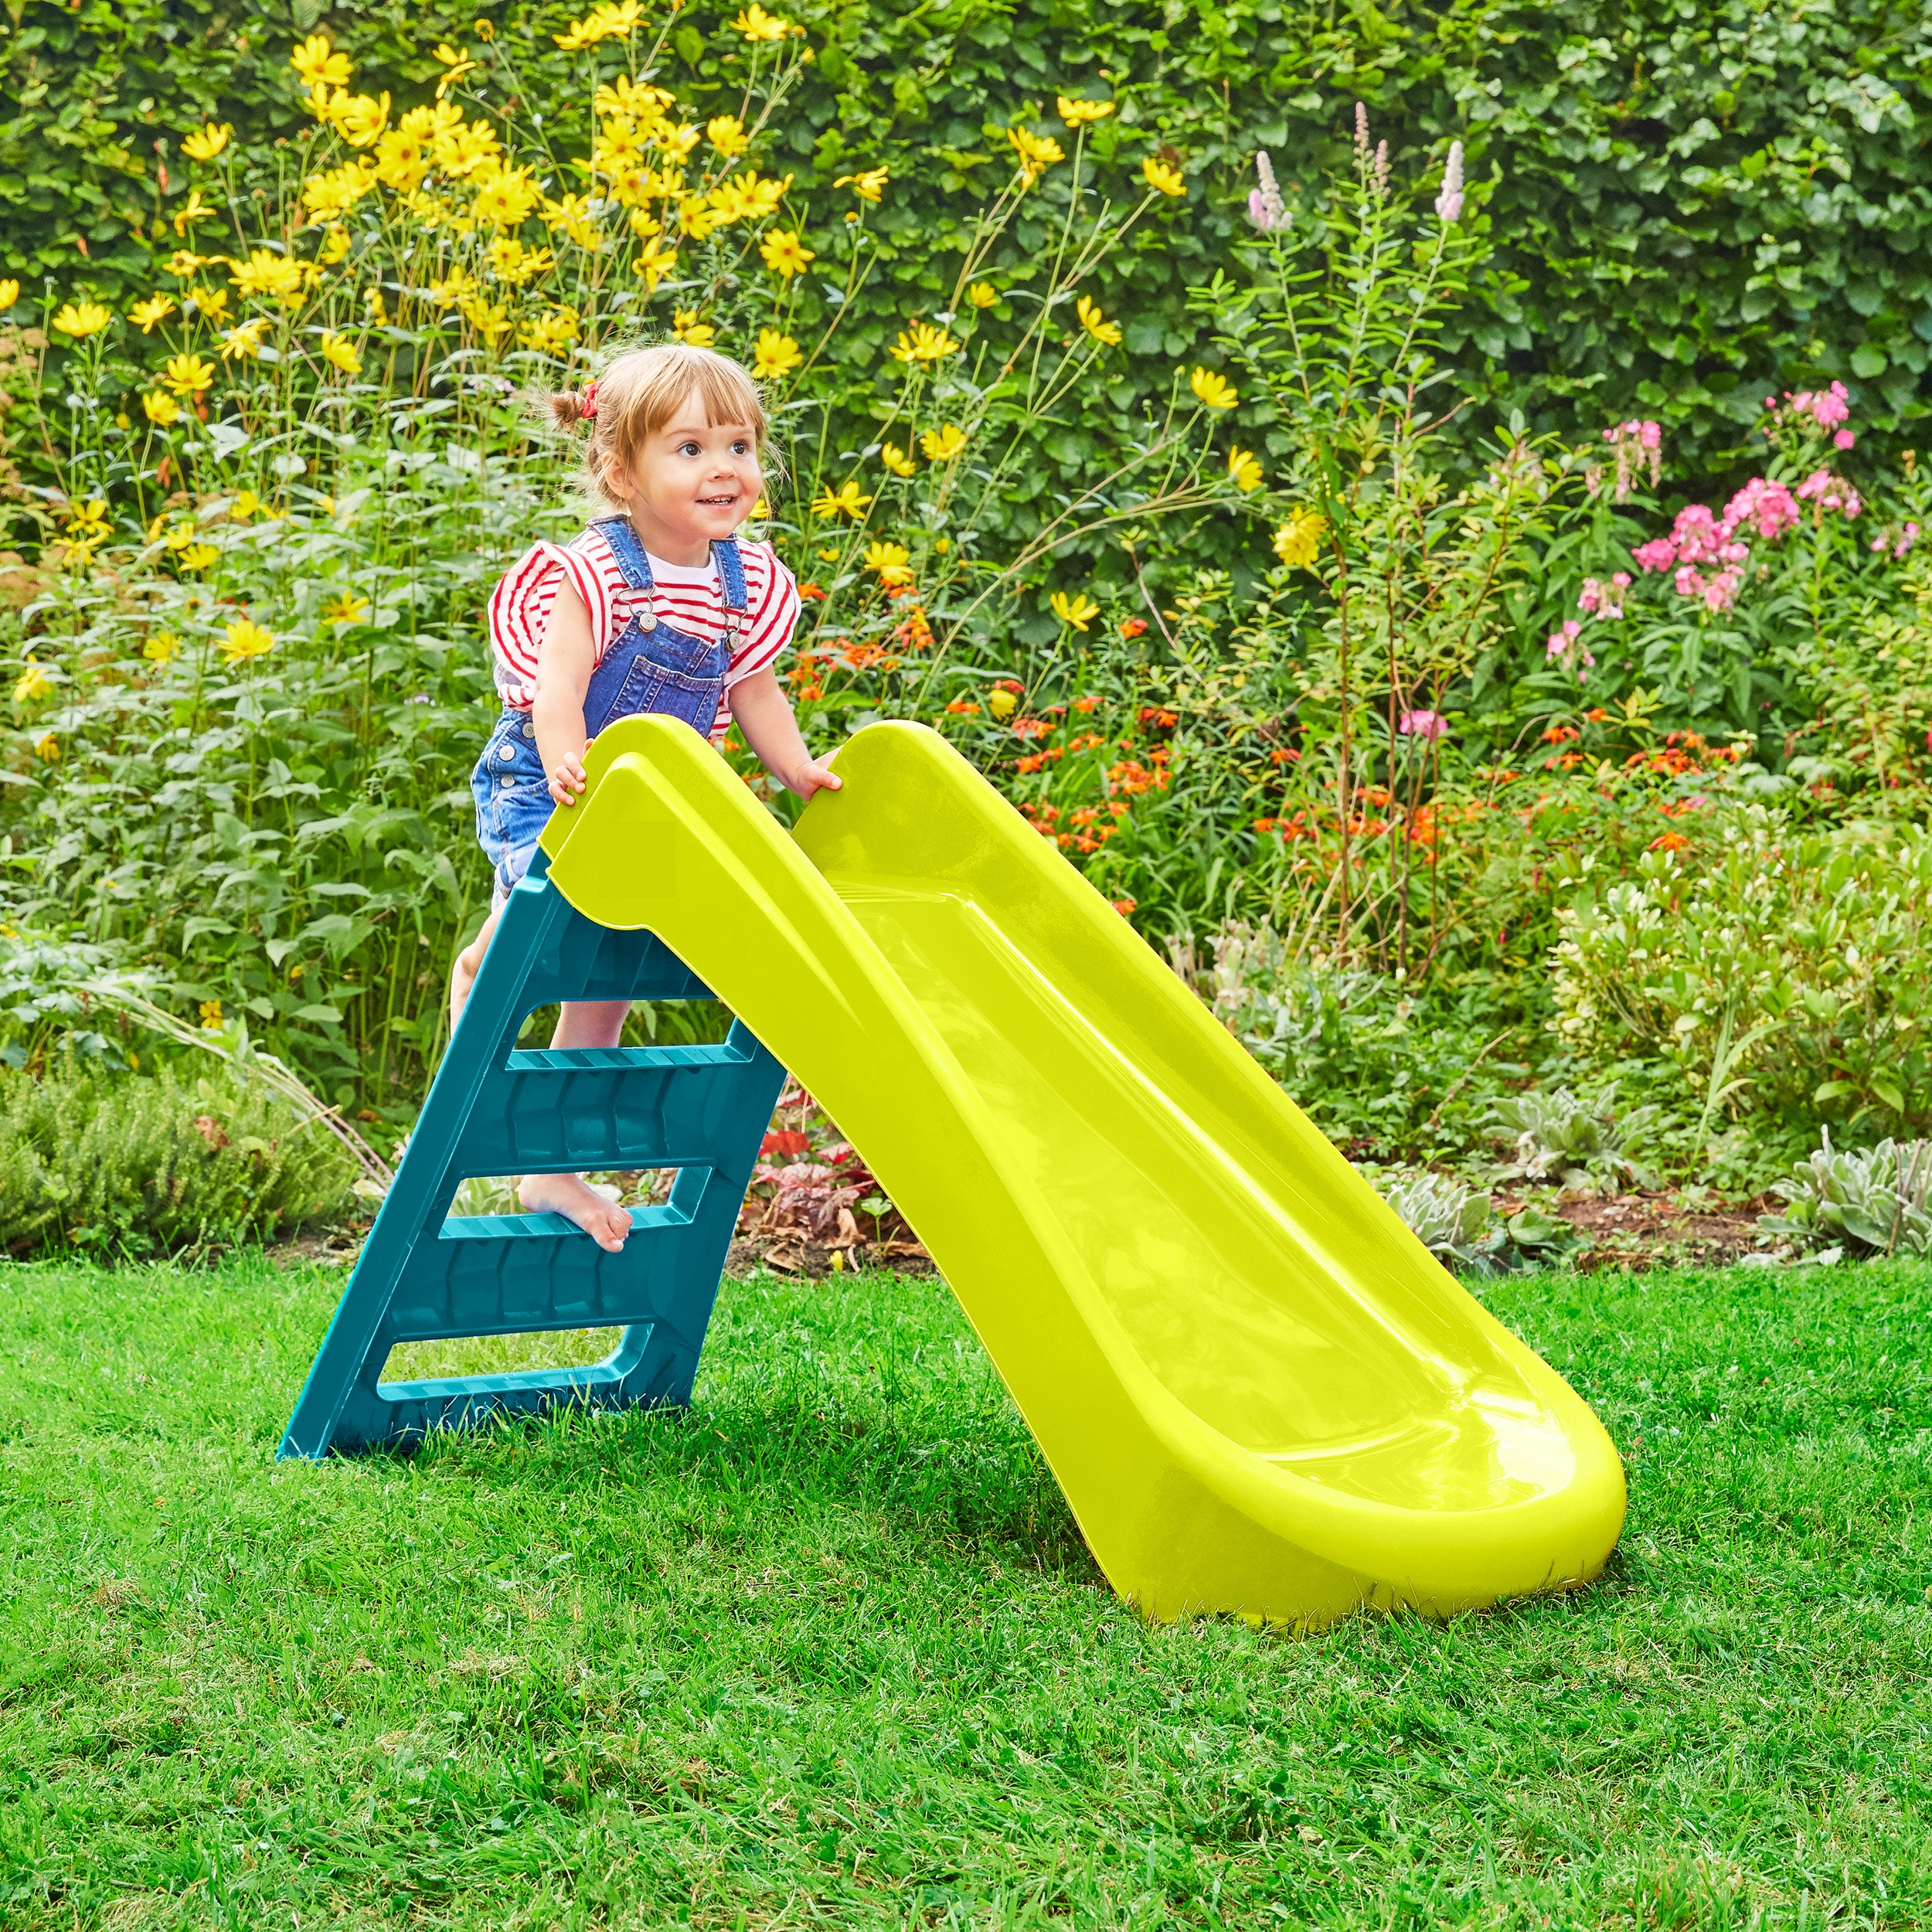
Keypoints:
pixel 699 479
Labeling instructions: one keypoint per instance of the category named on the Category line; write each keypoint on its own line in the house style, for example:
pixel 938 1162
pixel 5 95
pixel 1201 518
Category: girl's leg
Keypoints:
pixel 469 963
pixel 584 1023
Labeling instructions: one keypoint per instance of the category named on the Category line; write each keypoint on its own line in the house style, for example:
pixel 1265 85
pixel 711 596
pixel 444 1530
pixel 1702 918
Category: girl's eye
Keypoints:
pixel 741 447
pixel 689 449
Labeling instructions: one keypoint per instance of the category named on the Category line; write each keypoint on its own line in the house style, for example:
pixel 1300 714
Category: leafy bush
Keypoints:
pixel 1682 200
pixel 138 1163
pixel 1874 1199
pixel 1580 1143
pixel 1384 1073
pixel 1782 972
pixel 1450 1218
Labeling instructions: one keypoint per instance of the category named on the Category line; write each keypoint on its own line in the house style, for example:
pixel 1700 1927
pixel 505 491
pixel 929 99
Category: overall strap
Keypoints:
pixel 620 533
pixel 731 574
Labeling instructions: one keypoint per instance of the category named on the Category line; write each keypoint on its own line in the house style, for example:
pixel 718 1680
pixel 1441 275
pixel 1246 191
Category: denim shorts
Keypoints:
pixel 513 801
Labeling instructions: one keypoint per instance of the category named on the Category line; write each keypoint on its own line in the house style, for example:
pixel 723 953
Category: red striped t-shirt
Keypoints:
pixel 693 600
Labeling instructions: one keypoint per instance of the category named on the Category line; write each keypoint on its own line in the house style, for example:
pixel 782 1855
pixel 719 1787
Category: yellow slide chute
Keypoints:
pixel 1259 1392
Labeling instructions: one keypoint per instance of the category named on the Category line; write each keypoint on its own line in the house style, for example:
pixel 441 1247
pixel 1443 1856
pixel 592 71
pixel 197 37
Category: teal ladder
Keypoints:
pixel 494 1110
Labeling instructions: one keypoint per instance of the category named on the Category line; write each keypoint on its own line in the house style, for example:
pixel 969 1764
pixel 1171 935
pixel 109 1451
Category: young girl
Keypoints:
pixel 656 607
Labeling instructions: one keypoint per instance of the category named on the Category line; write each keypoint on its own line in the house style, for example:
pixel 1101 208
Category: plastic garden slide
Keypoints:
pixel 1258 1391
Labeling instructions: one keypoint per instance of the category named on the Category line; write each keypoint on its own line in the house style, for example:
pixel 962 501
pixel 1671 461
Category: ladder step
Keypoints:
pixel 647 1365
pixel 556 1111
pixel 524 1227
pixel 624 1060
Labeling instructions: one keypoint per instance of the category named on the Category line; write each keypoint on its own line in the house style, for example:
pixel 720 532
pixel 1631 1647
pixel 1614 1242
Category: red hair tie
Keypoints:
pixel 588 407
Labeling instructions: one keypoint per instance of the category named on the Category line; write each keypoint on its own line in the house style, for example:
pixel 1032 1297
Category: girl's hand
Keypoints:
pixel 816 776
pixel 568 779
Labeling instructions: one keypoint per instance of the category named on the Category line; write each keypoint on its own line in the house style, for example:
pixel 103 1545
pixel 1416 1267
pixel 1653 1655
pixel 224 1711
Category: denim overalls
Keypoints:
pixel 650 668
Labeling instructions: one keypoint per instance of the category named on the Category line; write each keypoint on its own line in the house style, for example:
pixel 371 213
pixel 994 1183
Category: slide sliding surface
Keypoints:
pixel 1259 1391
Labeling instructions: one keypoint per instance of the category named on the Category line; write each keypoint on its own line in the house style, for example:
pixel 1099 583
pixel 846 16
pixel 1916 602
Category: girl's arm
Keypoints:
pixel 763 714
pixel 564 662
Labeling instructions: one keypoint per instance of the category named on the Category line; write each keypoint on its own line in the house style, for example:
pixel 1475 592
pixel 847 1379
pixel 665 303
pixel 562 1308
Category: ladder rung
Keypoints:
pixel 525 1227
pixel 623 1059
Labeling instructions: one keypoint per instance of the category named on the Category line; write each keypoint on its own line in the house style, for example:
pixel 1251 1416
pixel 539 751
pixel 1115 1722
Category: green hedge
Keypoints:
pixel 1689 204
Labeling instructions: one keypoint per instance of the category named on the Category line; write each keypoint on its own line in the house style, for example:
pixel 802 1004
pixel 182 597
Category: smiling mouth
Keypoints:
pixel 720 502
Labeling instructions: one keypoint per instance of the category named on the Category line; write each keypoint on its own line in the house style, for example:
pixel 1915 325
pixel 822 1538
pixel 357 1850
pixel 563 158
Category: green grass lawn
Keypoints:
pixel 826 1650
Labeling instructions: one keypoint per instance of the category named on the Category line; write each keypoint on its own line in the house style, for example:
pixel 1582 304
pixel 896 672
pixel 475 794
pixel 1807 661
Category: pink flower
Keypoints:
pixel 1449 203
pixel 1830 406
pixel 1658 554
pixel 1844 440
pixel 1721 592
pixel 1830 492
pixel 1639 445
pixel 1769 506
pixel 1698 534
pixel 1907 538
pixel 1423 724
pixel 1689 583
pixel 1600 599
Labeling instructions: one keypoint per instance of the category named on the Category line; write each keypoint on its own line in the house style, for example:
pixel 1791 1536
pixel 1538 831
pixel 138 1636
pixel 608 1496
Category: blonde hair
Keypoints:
pixel 638 393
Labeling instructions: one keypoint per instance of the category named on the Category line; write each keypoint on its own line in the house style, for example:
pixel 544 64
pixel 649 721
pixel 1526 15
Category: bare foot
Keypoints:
pixel 571 1195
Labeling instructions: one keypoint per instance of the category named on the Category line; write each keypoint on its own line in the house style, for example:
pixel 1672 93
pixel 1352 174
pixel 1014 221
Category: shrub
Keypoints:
pixel 1779 971
pixel 1874 1199
pixel 1385 1073
pixel 138 1163
pixel 1450 1218
pixel 1584 1145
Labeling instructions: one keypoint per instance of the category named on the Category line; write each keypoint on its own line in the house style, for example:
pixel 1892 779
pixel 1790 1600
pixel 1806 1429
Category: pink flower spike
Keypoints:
pixel 1878 543
pixel 1431 725
pixel 1658 554
pixel 1621 579
pixel 1844 440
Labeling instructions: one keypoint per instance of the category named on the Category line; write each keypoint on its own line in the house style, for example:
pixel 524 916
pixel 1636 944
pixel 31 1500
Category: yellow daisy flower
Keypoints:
pixel 208 141
pixel 188 375
pixel 777 355
pixel 150 309
pixel 1212 390
pixel 1082 113
pixel 869 186
pixel 246 639
pixel 784 254
pixel 1096 325
pixel 845 500
pixel 81 319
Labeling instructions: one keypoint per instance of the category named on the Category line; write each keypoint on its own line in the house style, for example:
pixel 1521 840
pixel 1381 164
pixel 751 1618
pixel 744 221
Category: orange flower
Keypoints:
pixel 1669 842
